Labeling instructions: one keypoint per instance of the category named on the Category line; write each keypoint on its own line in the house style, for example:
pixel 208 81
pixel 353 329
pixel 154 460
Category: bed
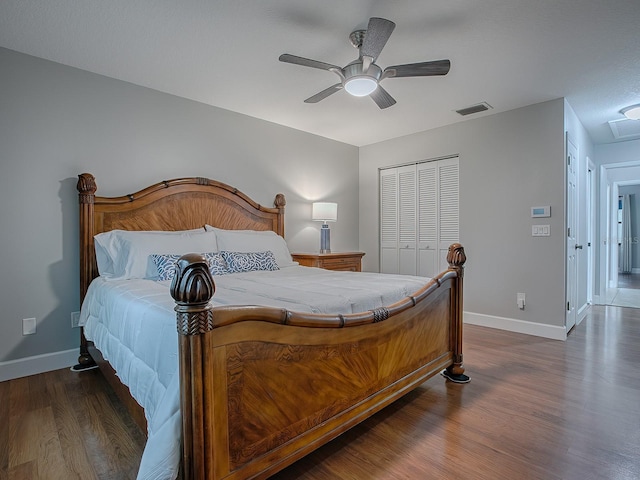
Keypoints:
pixel 261 386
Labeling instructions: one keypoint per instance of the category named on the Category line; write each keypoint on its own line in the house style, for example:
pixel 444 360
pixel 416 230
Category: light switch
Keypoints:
pixel 540 230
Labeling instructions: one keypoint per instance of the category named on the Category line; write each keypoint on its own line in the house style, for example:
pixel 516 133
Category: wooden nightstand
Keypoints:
pixel 349 261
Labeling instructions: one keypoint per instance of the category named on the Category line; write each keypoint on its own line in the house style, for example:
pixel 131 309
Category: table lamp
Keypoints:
pixel 324 212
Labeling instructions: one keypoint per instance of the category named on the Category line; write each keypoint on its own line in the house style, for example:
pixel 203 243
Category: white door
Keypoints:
pixel 389 221
pixel 591 224
pixel 428 219
pixel 407 220
pixel 419 211
pixel 572 229
pixel 448 208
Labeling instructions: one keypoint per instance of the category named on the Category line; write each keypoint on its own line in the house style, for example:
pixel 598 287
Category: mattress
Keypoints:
pixel 133 323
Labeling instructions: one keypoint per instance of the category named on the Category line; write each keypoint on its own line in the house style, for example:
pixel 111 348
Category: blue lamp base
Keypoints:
pixel 325 241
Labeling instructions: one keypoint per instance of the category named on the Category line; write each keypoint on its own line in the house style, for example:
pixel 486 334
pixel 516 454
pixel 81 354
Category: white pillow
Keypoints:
pixel 249 241
pixel 123 254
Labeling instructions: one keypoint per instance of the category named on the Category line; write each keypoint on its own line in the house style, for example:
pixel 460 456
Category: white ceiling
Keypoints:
pixel 509 53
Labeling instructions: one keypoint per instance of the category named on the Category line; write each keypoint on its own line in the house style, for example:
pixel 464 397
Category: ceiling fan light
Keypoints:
pixel 632 112
pixel 360 86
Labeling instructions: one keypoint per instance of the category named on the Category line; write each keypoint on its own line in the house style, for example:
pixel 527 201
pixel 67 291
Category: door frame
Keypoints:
pixel 591 230
pixel 611 176
pixel 572 166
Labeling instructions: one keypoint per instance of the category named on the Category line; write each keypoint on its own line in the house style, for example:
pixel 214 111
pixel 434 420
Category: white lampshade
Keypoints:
pixel 360 86
pixel 632 112
pixel 324 212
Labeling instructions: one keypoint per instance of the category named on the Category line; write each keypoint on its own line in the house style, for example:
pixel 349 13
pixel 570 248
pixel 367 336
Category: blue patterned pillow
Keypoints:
pixel 217 264
pixel 249 262
pixel 166 264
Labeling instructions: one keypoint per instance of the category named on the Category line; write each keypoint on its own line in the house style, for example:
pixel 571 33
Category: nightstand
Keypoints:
pixel 349 261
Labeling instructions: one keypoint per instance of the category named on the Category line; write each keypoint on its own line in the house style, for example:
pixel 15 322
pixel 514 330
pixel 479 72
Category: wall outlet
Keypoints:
pixel 75 319
pixel 28 326
pixel 520 300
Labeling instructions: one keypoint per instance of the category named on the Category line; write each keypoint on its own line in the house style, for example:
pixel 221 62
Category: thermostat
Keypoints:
pixel 537 212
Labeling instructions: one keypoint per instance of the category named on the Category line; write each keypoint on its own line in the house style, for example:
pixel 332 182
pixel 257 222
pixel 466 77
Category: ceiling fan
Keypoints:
pixel 362 77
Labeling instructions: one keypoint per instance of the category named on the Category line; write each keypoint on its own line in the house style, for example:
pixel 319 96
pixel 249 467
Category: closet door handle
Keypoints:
pixel 578 247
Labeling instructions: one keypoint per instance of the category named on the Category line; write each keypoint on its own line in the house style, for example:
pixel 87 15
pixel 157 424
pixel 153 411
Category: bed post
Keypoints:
pixel 192 288
pixel 86 196
pixel 456 258
pixel 280 203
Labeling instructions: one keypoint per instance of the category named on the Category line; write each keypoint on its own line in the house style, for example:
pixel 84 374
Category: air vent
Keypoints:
pixel 480 107
pixel 625 128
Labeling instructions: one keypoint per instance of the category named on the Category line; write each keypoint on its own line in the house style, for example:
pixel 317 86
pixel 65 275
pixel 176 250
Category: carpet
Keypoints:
pixel 626 297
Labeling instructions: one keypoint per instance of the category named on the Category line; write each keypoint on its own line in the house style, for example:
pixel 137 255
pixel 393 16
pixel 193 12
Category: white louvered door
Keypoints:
pixel 427 219
pixel 419 216
pixel 448 208
pixel 389 221
pixel 407 220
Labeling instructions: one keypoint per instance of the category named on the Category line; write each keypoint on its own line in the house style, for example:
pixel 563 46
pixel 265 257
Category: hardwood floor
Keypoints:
pixel 628 280
pixel 535 409
pixel 62 425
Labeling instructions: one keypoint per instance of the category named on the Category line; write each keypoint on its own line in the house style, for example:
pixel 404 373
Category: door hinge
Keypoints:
pixel 569 232
pixel 568 308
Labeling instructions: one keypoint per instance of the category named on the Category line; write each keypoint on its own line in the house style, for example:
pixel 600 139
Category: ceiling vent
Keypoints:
pixel 480 107
pixel 625 128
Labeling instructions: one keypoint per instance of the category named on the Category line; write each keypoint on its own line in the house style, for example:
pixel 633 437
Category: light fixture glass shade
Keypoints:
pixel 632 112
pixel 324 212
pixel 360 86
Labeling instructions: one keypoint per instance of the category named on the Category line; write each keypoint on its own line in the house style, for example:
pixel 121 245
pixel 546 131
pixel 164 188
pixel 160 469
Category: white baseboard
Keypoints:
pixel 635 270
pixel 518 326
pixel 24 367
pixel 582 313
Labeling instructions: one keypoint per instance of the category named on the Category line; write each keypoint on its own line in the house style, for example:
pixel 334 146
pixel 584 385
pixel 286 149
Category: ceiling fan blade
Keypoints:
pixel 324 93
pixel 423 69
pixel 307 62
pixel 378 32
pixel 382 97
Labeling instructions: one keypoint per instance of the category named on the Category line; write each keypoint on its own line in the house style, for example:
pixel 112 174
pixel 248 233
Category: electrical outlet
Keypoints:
pixel 75 319
pixel 28 326
pixel 520 300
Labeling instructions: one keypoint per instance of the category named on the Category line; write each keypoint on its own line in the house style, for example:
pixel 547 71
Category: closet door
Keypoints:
pixel 419 216
pixel 407 208
pixel 428 246
pixel 389 221
pixel 448 208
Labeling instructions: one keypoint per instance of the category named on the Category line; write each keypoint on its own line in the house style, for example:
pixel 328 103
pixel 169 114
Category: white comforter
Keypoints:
pixel 133 323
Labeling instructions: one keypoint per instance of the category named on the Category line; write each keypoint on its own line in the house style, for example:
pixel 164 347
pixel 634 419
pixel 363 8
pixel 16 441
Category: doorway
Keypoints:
pixel 627 293
pixel 618 287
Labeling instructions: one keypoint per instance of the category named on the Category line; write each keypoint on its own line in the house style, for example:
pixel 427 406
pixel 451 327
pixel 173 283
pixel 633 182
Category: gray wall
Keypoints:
pixel 57 122
pixel 509 162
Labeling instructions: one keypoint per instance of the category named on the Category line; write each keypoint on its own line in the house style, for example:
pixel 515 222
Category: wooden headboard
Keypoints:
pixel 179 204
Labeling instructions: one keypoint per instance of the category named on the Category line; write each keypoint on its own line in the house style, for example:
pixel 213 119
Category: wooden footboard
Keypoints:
pixel 262 387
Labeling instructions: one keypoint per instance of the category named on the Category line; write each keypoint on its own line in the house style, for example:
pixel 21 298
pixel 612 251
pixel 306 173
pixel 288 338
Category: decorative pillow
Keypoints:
pixel 254 241
pixel 166 264
pixel 217 264
pixel 126 254
pixel 249 261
